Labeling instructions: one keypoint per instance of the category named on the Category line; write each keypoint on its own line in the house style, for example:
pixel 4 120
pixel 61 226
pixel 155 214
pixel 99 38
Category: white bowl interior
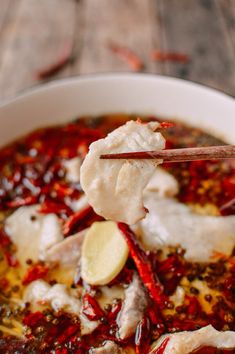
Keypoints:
pixel 131 93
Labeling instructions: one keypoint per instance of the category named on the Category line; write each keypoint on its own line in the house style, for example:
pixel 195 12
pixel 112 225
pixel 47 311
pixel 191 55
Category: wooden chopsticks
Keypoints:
pixel 179 155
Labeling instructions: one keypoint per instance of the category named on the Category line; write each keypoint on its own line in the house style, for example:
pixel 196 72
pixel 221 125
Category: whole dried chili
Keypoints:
pixel 128 55
pixel 144 267
pixel 65 59
pixel 80 220
pixel 170 56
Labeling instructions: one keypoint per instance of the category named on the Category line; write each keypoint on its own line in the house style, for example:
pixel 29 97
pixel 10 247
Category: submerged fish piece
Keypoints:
pixel 33 233
pixel 171 223
pixel 133 308
pixel 59 297
pixel 72 167
pixel 187 342
pixel 67 253
pixel 109 347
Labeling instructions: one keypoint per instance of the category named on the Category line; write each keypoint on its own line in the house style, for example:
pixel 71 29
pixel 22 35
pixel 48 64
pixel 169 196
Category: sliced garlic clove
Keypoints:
pixel 104 253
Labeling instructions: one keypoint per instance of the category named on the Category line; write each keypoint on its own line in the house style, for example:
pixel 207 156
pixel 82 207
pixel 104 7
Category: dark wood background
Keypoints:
pixel 33 34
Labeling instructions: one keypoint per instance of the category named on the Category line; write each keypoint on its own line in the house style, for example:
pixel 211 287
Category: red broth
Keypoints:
pixel 32 172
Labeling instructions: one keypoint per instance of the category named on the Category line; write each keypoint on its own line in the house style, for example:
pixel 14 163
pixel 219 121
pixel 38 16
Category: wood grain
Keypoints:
pixel 33 34
pixel 5 4
pixel 227 8
pixel 37 37
pixel 7 12
pixel 128 23
pixel 196 28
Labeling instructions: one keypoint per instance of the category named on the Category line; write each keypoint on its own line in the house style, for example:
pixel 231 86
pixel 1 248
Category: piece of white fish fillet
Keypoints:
pixel 186 342
pixel 115 187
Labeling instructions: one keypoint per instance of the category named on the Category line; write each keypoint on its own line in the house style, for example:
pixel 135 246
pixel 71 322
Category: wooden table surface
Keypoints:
pixel 34 34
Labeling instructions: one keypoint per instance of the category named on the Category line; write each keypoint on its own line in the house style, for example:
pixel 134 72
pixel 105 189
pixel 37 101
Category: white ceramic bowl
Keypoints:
pixel 114 93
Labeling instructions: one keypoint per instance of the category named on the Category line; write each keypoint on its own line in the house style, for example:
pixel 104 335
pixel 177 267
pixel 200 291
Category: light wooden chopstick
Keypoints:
pixel 179 155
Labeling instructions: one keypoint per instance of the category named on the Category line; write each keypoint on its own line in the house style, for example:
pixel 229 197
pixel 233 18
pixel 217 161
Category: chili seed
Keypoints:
pixel 194 290
pixel 208 297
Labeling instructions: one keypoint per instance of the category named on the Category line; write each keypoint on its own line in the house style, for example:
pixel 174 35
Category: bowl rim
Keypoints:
pixel 38 88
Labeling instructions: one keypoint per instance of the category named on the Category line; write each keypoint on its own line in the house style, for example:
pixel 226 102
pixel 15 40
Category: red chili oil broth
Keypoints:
pixel 31 171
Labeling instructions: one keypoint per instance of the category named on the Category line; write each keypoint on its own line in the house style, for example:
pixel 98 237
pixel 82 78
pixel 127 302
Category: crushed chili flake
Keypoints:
pixel 228 207
pixel 91 308
pixel 132 59
pixel 166 125
pixel 54 206
pixel 36 271
pixel 170 56
pixel 18 202
pixel 4 283
pixel 11 259
pixel 33 319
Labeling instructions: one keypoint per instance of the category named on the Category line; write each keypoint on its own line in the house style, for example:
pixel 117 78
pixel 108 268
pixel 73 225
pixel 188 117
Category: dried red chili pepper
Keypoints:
pixel 18 202
pixel 161 349
pixel 62 351
pixel 228 207
pixel 4 239
pixel 80 220
pixel 54 206
pixel 170 271
pixel 68 332
pixel 170 56
pixel 25 159
pixel 33 319
pixel 124 277
pixel 37 271
pixel 4 283
pixel 144 267
pixel 166 125
pixel 91 309
pixel 65 59
pixel 116 308
pixel 11 259
pixel 128 55
pixel 63 190
pixel 194 307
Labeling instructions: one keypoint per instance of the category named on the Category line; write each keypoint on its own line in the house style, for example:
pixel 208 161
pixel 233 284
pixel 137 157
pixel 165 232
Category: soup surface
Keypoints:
pixel 36 175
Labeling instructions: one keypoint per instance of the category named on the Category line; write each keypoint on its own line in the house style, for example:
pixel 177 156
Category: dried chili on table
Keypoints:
pixel 170 56
pixel 132 59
